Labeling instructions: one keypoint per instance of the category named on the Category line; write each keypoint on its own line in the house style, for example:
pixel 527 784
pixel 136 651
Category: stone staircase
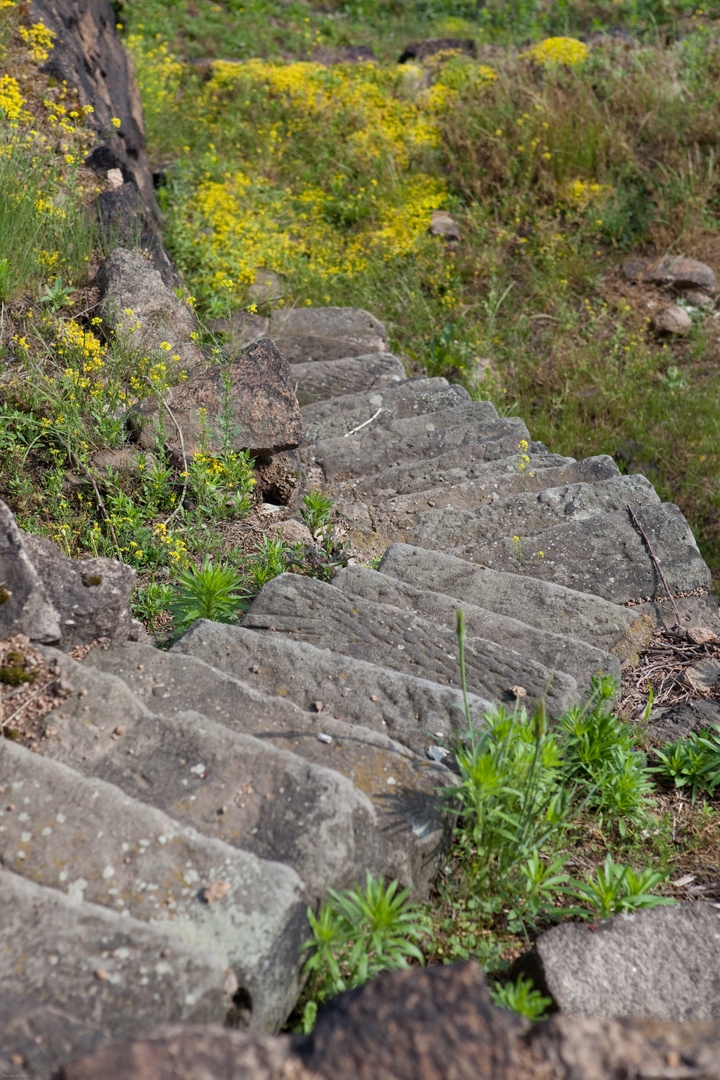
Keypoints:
pixel 161 841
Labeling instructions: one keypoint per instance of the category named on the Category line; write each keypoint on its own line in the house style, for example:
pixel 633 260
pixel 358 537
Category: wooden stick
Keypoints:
pixel 653 556
pixel 361 426
pixel 24 705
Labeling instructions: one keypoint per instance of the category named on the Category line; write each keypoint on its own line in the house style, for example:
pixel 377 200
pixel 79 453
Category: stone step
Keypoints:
pixel 335 417
pixel 701 610
pixel 455 466
pixel 91 841
pixel 416 833
pixel 409 709
pixel 615 629
pixel 102 967
pixel 567 654
pixel 529 513
pixel 329 378
pixel 391 519
pixel 40 1038
pixel 226 785
pixel 483 436
pixel 322 615
pixel 325 333
pixel 606 555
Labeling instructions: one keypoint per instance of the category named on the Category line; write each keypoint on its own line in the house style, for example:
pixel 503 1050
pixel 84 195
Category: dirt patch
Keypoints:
pixel 30 688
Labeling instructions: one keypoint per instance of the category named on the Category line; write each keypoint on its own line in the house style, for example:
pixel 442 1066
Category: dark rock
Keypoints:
pixel 124 224
pixel 328 333
pixel 103 158
pixel 129 282
pixel 661 964
pixel 679 721
pixel 321 379
pixel 264 412
pixel 88 54
pixel 240 329
pixel 358 54
pixel 672 271
pixel 25 607
pixel 421 50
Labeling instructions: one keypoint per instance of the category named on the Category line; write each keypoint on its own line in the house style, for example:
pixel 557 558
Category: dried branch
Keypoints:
pixel 653 556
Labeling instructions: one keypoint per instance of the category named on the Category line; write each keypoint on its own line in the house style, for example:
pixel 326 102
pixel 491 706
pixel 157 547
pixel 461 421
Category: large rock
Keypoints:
pixel 408 708
pixel 228 786
pixel 415 831
pixel 662 963
pixel 330 333
pixel 101 966
pixel 672 271
pixel 88 839
pixel 619 630
pixel 339 415
pixel 529 513
pixel 37 1038
pixel 249 404
pixel 575 658
pixel 673 320
pixel 54 599
pixel 128 282
pixel 88 55
pixel 323 379
pixel 606 555
pixel 401 640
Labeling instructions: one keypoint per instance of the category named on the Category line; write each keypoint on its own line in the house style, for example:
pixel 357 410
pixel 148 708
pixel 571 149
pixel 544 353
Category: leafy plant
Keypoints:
pixel 150 602
pixel 316 511
pixel 522 997
pixel 357 934
pixel 212 592
pixel 616 888
pixel 56 295
pixel 693 762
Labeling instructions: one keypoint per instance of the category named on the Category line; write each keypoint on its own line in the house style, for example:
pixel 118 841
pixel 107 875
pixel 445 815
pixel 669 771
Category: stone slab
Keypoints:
pixel 489 438
pixel 37 1039
pixel 25 606
pixel 615 629
pixel 606 555
pixel 677 722
pixel 254 393
pixel 400 784
pixel 322 615
pixel 694 611
pixel 277 806
pixel 575 658
pixel 91 841
pixel 672 271
pixel 409 709
pixel 329 333
pixel 662 964
pixel 102 967
pixel 529 513
pixel 326 379
pixel 335 417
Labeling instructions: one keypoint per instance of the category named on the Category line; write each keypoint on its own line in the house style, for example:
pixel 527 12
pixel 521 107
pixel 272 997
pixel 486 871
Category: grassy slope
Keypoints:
pixel 553 173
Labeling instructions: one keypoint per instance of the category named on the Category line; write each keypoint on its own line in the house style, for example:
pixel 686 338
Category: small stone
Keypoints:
pixel 437 753
pixel 17 1059
pixel 323 737
pixel 673 320
pixel 101 974
pixel 373 697
pixel 444 224
pixel 115 178
pixel 700 635
pixel 318 706
pixel 517 691
pixel 215 891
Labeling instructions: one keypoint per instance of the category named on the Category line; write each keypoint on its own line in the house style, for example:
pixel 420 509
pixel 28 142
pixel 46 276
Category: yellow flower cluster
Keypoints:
pixel 581 193
pixel 71 339
pixel 39 40
pixel 11 100
pixel 557 50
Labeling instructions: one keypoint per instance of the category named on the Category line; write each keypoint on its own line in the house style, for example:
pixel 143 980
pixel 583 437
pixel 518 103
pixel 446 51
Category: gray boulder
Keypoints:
pixel 323 379
pixel 54 599
pixel 671 271
pixel 662 963
pixel 128 282
pixel 329 333
pixel 38 1038
pixel 249 404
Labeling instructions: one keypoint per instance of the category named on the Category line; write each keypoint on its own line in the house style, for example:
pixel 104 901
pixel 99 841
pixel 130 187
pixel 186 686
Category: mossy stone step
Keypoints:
pixel 328 378
pixel 409 709
pixel 415 832
pixel 401 640
pixel 611 627
pixel 574 657
pixel 228 786
pixel 93 842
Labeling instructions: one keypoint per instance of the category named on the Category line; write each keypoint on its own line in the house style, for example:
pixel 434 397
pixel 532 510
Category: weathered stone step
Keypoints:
pixel 606 555
pixel 335 417
pixel 527 514
pixel 329 378
pixel 567 654
pixel 699 610
pixel 455 466
pixel 40 1038
pixel 88 839
pixel 229 786
pixel 416 833
pixel 408 708
pixel 403 641
pixel 326 333
pixel 103 967
pixel 615 629
pixel 490 438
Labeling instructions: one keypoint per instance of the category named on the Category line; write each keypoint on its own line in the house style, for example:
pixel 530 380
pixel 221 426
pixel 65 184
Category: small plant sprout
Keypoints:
pixel 56 295
pixel 316 512
pixel 213 592
pixel 521 997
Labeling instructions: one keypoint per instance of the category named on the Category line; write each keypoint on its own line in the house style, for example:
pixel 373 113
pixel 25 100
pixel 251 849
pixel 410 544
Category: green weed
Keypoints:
pixel 211 592
pixel 693 762
pixel 521 997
